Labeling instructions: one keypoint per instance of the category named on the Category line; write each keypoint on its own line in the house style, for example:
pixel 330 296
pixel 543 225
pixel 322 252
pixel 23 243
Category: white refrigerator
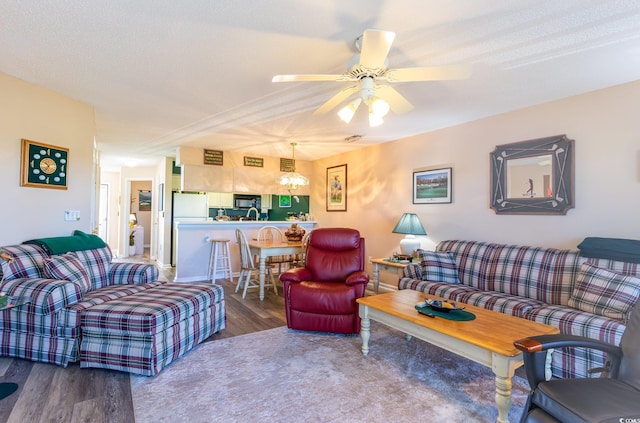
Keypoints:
pixel 186 208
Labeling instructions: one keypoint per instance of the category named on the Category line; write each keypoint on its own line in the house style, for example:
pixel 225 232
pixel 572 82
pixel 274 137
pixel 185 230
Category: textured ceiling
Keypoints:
pixel 164 73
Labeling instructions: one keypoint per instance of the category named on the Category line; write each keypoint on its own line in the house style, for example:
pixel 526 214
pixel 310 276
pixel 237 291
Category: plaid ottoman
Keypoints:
pixel 143 332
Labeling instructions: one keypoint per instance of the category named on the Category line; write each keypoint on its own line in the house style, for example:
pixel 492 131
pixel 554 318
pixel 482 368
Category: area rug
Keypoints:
pixel 279 375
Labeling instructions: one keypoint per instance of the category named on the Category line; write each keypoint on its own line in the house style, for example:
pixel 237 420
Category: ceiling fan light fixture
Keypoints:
pixel 293 180
pixel 346 113
pixel 375 120
pixel 379 107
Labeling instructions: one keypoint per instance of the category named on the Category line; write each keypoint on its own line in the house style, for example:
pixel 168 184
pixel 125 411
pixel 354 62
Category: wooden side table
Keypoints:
pixel 387 266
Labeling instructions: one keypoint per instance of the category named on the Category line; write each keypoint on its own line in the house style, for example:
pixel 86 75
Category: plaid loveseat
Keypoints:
pixel 580 296
pixel 84 291
pixel 48 328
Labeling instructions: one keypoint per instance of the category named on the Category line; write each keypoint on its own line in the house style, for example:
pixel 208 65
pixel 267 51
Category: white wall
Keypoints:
pixel 34 113
pixel 604 125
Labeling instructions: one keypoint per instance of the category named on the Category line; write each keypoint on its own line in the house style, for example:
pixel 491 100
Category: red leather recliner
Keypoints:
pixel 322 295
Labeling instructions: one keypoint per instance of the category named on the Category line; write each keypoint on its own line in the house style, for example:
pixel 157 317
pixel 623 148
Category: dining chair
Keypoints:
pixel 248 268
pixel 275 234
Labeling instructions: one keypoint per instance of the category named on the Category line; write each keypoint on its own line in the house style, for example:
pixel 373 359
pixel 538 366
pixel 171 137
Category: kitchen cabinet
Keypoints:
pixel 226 200
pixel 265 201
pixel 220 200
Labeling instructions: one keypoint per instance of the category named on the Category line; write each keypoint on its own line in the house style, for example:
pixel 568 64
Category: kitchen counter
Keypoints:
pixel 193 246
pixel 278 223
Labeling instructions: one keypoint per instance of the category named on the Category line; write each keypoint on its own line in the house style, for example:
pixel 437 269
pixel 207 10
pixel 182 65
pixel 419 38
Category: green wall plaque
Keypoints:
pixel 44 165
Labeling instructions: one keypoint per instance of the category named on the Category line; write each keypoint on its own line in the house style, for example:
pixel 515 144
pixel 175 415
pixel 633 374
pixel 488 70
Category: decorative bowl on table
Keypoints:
pixel 442 306
pixel 294 233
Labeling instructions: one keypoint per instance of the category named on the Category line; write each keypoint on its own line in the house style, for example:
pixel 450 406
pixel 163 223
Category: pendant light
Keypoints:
pixel 293 180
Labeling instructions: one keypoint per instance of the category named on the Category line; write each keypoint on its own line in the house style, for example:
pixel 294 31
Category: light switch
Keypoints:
pixel 71 215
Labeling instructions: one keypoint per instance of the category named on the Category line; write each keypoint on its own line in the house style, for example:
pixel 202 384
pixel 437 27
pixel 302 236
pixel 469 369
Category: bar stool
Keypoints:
pixel 219 259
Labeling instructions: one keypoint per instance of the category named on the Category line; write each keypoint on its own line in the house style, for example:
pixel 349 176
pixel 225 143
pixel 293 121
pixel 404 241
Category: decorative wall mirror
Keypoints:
pixel 533 177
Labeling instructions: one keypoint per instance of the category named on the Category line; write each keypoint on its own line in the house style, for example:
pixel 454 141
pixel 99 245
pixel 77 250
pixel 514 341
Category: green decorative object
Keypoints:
pixel 457 315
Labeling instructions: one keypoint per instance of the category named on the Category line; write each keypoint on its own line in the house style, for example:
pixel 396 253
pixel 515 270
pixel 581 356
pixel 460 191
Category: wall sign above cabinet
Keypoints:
pixel 287 165
pixel 254 161
pixel 213 157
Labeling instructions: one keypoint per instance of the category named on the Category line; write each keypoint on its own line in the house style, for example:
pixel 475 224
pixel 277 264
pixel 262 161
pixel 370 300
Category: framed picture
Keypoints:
pixel 533 176
pixel 432 186
pixel 44 165
pixel 337 188
pixel 144 200
pixel 284 201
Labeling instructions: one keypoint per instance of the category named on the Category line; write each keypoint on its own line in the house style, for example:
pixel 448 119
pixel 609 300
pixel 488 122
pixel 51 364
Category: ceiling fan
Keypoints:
pixel 367 69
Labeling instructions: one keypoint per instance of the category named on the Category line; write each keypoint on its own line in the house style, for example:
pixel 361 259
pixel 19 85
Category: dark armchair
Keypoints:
pixel 613 397
pixel 322 295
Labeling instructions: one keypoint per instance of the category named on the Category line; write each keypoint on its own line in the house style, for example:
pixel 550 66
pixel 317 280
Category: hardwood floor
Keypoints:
pixel 49 393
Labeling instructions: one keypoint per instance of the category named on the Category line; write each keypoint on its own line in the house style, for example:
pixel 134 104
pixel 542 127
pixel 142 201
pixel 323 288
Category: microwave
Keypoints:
pixel 246 201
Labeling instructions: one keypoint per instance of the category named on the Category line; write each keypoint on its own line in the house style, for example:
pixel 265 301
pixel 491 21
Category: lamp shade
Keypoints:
pixel 410 225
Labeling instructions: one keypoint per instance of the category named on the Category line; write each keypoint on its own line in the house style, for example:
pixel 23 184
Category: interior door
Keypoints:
pixel 103 213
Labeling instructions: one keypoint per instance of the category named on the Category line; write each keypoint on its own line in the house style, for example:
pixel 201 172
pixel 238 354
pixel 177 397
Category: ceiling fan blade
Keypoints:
pixel 396 101
pixel 335 100
pixel 307 78
pixel 375 47
pixel 434 73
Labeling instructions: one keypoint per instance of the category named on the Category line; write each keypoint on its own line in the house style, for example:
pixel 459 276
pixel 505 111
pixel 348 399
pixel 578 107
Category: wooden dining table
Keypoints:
pixel 264 249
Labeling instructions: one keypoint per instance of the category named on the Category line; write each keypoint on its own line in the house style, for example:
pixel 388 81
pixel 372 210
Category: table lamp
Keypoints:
pixel 410 225
pixel 133 219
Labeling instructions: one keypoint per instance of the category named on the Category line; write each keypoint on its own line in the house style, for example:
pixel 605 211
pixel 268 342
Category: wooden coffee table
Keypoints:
pixel 487 340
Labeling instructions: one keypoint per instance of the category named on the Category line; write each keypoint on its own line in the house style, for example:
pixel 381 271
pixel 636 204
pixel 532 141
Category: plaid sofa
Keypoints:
pixel 64 288
pixel 580 296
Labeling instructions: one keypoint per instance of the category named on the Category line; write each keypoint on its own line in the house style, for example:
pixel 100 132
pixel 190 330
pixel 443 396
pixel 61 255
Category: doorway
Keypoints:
pixel 140 205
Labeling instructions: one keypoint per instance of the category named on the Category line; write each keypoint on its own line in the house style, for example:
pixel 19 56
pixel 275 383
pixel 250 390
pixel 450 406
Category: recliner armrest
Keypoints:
pixel 298 274
pixel 357 278
pixel 535 351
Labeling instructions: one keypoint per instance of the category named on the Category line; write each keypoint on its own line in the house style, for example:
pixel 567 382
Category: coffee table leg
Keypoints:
pixel 376 277
pixel 365 331
pixel 503 398
pixel 504 369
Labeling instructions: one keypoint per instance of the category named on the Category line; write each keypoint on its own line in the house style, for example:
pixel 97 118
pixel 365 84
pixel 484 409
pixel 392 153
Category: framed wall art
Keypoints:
pixel 432 186
pixel 44 165
pixel 337 188
pixel 284 201
pixel 144 200
pixel 533 176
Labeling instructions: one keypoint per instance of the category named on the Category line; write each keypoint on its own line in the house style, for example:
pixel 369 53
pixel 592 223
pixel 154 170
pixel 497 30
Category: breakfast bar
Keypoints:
pixel 193 246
